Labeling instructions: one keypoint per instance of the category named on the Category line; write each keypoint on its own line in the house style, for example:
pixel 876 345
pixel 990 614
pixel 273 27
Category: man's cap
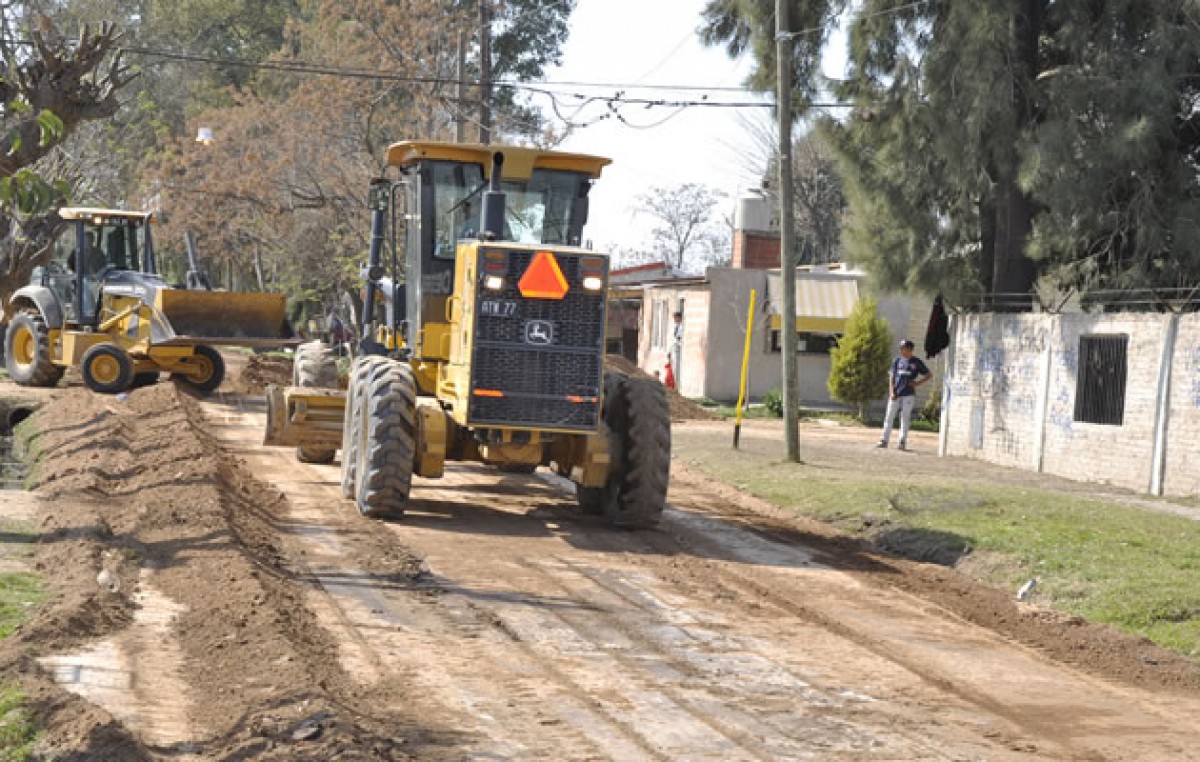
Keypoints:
pixel 907 344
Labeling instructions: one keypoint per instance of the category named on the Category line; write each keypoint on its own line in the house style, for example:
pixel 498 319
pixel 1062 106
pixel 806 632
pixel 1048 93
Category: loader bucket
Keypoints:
pixel 224 317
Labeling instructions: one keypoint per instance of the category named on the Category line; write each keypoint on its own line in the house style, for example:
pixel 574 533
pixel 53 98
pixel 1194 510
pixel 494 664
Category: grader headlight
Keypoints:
pixel 591 269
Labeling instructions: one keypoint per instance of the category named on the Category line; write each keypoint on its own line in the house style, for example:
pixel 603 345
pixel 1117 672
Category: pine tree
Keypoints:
pixel 860 360
pixel 1001 144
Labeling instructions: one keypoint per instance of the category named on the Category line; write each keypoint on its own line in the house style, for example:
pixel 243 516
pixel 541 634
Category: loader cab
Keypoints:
pixel 443 187
pixel 97 245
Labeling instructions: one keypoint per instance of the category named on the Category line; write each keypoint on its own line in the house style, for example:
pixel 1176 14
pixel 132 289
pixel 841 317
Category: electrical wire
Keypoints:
pixel 857 17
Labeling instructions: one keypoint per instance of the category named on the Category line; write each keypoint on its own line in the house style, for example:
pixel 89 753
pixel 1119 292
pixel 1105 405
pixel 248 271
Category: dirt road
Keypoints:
pixel 536 632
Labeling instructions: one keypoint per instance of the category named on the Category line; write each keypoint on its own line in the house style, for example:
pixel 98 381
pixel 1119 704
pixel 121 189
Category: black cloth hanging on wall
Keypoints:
pixel 937 335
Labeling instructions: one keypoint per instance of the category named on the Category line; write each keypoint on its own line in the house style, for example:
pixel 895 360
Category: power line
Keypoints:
pixel 549 89
pixel 886 12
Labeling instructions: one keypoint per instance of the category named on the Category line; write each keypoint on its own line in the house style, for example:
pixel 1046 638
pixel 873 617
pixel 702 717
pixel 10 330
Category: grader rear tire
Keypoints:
pixel 360 377
pixel 315 367
pixel 387 441
pixel 27 351
pixel 639 420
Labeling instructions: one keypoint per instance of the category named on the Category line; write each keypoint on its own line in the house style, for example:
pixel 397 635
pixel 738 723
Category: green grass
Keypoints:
pixel 18 733
pixel 19 593
pixel 1105 561
pixel 844 419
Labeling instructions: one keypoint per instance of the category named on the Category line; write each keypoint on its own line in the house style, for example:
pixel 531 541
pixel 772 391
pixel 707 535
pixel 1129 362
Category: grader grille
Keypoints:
pixel 538 363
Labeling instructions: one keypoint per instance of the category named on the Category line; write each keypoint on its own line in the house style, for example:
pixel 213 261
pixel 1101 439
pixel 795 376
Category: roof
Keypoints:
pixel 78 212
pixel 640 268
pixel 519 162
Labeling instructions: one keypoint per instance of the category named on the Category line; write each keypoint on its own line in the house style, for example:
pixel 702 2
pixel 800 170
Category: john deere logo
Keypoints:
pixel 539 333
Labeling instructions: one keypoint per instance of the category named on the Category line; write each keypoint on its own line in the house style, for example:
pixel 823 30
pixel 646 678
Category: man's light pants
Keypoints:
pixel 905 406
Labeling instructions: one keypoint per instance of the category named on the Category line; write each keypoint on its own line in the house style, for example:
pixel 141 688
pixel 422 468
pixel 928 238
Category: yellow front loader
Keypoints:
pixel 482 339
pixel 101 306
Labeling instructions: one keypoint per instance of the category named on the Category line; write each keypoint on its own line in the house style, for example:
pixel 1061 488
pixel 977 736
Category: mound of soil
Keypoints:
pixel 682 408
pixel 262 370
pixel 136 484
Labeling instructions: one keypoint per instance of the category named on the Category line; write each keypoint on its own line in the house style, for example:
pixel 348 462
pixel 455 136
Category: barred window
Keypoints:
pixel 1100 384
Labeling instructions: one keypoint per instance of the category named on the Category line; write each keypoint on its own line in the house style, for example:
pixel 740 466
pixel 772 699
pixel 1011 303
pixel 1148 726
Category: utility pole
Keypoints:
pixel 485 72
pixel 787 231
pixel 460 91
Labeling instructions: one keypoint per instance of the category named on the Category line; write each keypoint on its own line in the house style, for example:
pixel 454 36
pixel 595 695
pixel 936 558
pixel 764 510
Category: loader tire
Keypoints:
pixel 639 422
pixel 106 369
pixel 27 351
pixel 315 367
pixel 387 441
pixel 360 377
pixel 210 370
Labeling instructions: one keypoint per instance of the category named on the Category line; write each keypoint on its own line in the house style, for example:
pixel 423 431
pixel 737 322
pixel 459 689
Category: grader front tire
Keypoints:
pixel 360 378
pixel 315 367
pixel 388 441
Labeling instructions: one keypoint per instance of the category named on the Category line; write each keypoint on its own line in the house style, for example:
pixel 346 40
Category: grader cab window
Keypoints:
pixel 537 211
pixel 457 195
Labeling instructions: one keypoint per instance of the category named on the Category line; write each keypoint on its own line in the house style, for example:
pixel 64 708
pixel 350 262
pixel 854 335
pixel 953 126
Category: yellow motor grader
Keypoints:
pixel 101 306
pixel 481 339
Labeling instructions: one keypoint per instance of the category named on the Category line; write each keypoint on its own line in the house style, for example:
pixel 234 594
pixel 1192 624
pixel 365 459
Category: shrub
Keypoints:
pixel 860 360
pixel 773 401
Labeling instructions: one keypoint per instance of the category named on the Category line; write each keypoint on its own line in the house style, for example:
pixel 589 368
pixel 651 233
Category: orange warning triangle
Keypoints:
pixel 543 279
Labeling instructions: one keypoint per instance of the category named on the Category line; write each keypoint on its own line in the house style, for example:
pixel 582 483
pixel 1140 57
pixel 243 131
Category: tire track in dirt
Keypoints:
pixel 545 634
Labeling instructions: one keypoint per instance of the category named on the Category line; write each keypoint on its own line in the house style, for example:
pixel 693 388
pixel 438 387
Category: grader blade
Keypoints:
pixel 303 417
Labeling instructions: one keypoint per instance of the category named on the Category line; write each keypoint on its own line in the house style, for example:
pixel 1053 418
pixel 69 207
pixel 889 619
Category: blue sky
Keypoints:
pixel 653 42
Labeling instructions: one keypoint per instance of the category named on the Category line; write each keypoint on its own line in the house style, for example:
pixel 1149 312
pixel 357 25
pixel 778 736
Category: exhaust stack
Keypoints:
pixel 492 223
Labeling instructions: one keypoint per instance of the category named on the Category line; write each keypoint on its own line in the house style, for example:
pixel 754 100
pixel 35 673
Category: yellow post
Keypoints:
pixel 737 429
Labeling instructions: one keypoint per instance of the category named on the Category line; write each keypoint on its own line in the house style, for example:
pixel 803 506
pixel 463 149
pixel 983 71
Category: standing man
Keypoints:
pixel 904 376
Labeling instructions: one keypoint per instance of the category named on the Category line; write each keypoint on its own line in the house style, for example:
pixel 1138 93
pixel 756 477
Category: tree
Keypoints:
pixel 314 142
pixel 49 87
pixel 687 228
pixel 820 207
pixel 858 374
pixel 995 145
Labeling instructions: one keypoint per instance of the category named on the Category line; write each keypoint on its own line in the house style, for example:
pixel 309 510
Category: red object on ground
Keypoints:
pixel 669 376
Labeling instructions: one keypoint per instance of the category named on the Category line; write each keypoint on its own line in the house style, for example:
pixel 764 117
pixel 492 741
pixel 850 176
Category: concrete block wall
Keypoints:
pixel 1117 455
pixel 993 382
pixel 1011 387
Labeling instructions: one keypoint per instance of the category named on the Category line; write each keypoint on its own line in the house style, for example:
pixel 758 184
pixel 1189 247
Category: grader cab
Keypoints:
pixel 100 305
pixel 482 340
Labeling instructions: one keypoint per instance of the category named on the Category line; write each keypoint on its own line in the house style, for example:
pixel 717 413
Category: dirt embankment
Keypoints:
pixel 261 371
pixel 137 488
pixel 682 408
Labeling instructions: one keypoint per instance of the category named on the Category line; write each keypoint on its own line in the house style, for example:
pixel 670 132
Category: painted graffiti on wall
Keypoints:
pixel 1062 412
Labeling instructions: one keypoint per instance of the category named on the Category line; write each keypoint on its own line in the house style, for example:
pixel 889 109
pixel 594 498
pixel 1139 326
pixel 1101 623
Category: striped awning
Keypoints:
pixel 823 302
